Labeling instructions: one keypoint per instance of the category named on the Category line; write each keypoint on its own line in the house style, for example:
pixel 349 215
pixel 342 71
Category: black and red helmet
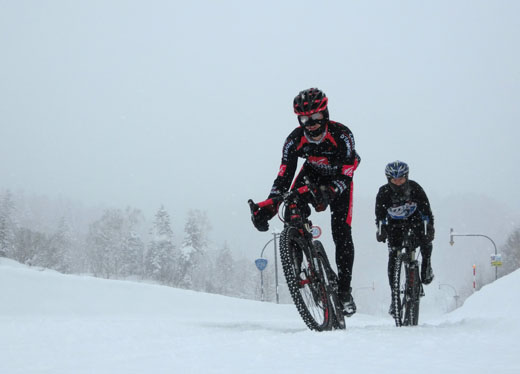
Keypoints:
pixel 307 104
pixel 310 101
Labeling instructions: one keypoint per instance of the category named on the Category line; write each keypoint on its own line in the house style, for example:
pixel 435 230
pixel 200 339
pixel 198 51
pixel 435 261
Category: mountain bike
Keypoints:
pixel 407 288
pixel 312 282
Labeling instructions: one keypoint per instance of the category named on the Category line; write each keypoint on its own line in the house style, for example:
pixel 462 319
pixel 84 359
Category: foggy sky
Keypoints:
pixel 187 104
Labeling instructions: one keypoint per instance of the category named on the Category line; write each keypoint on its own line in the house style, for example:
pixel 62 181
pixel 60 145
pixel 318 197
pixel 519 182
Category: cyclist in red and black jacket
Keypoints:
pixel 331 159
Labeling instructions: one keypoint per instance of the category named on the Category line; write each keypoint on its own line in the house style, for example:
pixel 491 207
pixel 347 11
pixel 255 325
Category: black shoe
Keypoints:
pixel 426 272
pixel 349 306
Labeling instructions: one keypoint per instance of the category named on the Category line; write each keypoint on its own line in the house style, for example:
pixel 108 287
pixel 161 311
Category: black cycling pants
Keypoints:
pixel 341 218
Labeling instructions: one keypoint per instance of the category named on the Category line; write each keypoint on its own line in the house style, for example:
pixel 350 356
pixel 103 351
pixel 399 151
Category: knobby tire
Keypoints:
pixel 413 304
pixel 307 286
pixel 406 293
pixel 398 294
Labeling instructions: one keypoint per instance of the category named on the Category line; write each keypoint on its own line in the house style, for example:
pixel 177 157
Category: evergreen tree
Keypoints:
pixel 196 230
pixel 103 238
pixel 7 225
pixel 163 260
pixel 5 240
pixel 511 253
pixel 132 252
pixel 194 248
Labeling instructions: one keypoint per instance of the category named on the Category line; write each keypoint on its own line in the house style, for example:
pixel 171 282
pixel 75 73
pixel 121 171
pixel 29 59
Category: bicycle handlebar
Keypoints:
pixel 308 188
pixel 277 199
pixel 425 221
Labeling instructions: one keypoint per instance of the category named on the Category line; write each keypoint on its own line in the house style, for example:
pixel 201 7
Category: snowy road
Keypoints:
pixel 54 323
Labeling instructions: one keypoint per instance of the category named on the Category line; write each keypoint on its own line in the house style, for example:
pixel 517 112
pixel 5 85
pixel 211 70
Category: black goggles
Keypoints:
pixel 315 117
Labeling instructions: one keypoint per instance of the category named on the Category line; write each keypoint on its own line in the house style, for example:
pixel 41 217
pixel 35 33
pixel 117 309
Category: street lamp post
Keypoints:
pixel 275 236
pixel 452 234
pixel 456 295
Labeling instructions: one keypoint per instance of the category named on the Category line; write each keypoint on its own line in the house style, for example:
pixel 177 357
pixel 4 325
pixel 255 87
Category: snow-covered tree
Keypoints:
pixel 7 224
pixel 56 254
pixel 194 249
pixel 27 246
pixel 196 230
pixel 223 272
pixel 132 252
pixel 132 248
pixel 164 261
pixel 113 244
pixel 511 253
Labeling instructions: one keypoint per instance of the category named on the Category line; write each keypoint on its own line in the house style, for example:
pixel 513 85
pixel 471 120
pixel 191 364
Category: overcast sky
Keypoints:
pixel 188 103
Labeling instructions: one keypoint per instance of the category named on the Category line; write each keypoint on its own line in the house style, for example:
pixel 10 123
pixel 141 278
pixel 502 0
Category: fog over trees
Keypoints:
pixel 123 244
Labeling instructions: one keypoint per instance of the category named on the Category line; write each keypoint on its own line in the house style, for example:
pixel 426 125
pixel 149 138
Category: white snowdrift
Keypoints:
pixel 55 323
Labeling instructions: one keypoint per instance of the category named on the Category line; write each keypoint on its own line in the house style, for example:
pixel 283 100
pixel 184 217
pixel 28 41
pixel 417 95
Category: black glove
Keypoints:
pixel 381 237
pixel 261 217
pixel 323 196
pixel 430 232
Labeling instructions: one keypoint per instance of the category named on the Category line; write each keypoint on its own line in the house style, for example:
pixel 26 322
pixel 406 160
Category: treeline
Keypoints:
pixel 120 244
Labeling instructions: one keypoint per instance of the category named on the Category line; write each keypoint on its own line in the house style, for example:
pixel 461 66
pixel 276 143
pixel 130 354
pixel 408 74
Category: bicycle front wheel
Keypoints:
pixel 399 298
pixel 305 279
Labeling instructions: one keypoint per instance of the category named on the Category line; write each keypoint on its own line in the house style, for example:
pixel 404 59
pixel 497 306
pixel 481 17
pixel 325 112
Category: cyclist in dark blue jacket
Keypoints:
pixel 329 150
pixel 402 203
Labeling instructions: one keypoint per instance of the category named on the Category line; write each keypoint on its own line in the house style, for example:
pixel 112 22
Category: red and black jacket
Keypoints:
pixel 334 157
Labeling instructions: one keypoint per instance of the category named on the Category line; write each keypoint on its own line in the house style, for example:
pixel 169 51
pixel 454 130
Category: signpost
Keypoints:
pixel 261 263
pixel 496 259
pixel 275 236
pixel 316 232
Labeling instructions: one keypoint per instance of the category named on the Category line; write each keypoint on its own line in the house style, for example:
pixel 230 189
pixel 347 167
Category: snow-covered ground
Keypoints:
pixel 54 323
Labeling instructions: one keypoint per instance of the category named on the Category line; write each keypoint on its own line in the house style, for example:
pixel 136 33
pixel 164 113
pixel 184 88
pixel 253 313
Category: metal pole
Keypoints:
pixel 275 235
pixel 484 236
pixel 276 268
pixel 265 246
pixel 262 285
pixel 262 273
pixel 474 278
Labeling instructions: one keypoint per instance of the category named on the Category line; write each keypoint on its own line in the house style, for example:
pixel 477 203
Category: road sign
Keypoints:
pixel 261 263
pixel 316 232
pixel 496 260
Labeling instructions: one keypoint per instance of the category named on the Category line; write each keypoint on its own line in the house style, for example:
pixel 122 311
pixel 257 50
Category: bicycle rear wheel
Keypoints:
pixel 306 282
pixel 414 290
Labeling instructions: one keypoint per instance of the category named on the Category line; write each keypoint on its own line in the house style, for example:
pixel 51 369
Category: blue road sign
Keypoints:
pixel 261 263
